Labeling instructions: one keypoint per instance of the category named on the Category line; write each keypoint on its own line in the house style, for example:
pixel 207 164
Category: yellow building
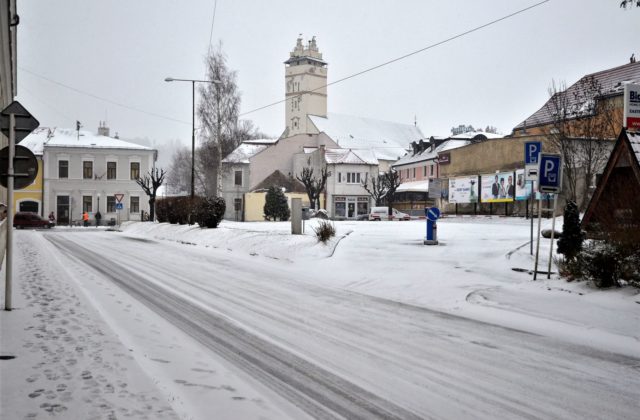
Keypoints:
pixel 30 198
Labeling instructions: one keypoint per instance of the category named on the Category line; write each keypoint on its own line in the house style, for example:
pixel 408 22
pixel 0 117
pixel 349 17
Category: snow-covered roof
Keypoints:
pixel 261 141
pixel 64 137
pixel 610 82
pixel 469 135
pixel 414 186
pixel 430 154
pixel 349 156
pixel 389 140
pixel 34 143
pixel 244 152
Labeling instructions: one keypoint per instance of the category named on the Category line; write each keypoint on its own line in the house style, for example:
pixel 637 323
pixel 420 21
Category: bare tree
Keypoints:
pixel 376 187
pixel 392 182
pixel 314 184
pixel 582 129
pixel 178 179
pixel 150 183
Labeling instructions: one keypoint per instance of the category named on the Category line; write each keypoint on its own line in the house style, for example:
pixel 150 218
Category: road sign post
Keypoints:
pixel 532 150
pixel 432 214
pixel 16 123
pixel 550 182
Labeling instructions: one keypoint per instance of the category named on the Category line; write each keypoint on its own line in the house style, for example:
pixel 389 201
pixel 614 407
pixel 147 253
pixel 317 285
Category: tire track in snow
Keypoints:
pixel 318 392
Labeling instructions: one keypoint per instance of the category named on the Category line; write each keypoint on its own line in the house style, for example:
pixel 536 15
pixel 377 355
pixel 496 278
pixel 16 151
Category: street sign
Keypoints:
pixel 550 173
pixel 432 213
pixel 25 167
pixel 531 151
pixel 119 206
pixel 118 197
pixel 25 122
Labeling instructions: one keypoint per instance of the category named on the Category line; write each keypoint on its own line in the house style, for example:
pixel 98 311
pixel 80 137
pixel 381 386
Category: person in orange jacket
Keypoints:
pixel 85 218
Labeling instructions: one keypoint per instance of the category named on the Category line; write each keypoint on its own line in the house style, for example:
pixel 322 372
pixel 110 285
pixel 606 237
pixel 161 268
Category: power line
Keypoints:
pixel 91 95
pixel 386 63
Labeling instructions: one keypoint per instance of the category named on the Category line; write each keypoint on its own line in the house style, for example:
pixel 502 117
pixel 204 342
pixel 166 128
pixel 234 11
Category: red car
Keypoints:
pixel 25 219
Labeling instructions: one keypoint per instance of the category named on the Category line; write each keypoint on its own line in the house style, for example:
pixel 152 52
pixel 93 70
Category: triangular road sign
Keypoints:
pixel 118 197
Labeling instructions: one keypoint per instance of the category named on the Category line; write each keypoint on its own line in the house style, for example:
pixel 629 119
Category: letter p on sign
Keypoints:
pixel 550 173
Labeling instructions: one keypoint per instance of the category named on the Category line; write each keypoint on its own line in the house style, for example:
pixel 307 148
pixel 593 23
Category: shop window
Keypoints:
pixel 111 204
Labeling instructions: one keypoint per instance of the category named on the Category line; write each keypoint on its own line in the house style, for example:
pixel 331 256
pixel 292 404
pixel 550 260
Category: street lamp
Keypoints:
pixel 193 123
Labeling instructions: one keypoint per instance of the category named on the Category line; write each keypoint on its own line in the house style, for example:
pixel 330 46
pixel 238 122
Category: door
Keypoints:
pixel 351 210
pixel 62 209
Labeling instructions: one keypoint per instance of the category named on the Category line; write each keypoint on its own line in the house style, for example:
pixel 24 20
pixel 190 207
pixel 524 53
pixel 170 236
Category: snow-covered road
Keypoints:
pixel 334 353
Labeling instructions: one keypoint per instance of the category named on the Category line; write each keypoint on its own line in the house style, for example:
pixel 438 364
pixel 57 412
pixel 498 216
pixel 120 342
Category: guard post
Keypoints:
pixel 432 214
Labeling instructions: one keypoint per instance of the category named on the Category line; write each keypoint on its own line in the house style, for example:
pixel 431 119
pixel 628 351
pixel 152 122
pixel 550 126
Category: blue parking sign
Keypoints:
pixel 550 173
pixel 531 151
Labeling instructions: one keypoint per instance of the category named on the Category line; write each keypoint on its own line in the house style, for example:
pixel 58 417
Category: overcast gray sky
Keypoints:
pixel 122 50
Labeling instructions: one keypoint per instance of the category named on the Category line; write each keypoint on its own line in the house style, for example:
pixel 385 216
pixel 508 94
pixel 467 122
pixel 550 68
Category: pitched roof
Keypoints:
pixel 64 137
pixel 610 81
pixel 389 140
pixel 279 179
pixel 429 154
pixel 349 156
pixel 244 152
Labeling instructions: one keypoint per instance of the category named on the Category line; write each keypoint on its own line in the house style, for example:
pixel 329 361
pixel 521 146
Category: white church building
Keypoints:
pixel 352 148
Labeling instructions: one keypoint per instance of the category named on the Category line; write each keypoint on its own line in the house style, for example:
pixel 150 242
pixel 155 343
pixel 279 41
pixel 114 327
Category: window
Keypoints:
pixel 414 173
pixel 237 204
pixel 135 170
pixel 353 177
pixel 340 206
pixel 135 204
pixel 111 170
pixel 111 204
pixel 339 177
pixel 63 169
pixel 87 203
pixel 424 171
pixel 431 170
pixel 407 174
pixel 238 178
pixel 87 169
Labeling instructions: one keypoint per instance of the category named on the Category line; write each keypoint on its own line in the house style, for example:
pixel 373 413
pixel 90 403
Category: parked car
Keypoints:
pixel 25 219
pixel 382 213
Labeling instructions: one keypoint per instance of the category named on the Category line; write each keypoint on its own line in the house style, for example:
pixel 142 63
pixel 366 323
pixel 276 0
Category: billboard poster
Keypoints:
pixel 497 188
pixel 463 189
pixel 632 107
pixel 523 188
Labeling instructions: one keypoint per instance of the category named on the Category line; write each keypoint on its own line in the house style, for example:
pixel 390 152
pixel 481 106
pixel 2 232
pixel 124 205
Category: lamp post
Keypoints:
pixel 193 123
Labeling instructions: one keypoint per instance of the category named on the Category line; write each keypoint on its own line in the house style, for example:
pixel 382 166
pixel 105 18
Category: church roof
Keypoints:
pixel 389 140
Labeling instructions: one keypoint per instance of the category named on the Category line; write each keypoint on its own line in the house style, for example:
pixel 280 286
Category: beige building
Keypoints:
pixel 368 145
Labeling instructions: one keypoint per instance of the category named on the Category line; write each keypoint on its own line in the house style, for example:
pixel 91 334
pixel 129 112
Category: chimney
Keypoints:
pixel 103 130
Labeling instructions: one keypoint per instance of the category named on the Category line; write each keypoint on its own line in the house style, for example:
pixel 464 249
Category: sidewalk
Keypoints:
pixel 67 362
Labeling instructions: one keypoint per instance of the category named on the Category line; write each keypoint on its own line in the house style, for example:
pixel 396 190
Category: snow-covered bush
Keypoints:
pixel 206 212
pixel 325 231
pixel 570 243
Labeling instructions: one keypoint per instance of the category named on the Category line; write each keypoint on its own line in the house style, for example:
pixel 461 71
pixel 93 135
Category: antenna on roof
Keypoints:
pixel 78 125
pixel 632 59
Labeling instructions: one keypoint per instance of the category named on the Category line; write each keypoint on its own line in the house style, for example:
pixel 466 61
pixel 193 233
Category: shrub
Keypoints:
pixel 602 264
pixel 324 231
pixel 570 243
pixel 207 212
pixel 275 206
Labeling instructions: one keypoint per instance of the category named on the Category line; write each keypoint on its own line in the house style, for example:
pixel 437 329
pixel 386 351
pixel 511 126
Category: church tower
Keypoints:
pixel 305 84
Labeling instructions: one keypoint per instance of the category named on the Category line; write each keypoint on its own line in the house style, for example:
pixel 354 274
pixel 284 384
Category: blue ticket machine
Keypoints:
pixel 432 214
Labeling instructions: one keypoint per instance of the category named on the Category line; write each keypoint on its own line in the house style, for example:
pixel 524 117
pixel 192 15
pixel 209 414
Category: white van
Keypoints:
pixel 382 213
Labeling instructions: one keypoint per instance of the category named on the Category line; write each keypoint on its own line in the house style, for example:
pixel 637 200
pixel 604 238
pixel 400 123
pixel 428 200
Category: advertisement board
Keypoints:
pixel 632 107
pixel 497 188
pixel 523 188
pixel 463 189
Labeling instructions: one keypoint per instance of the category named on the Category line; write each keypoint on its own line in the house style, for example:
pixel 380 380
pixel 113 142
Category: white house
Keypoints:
pixel 88 172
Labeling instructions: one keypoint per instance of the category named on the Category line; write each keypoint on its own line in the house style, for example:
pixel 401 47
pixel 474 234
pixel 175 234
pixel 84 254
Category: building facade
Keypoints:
pixel 93 173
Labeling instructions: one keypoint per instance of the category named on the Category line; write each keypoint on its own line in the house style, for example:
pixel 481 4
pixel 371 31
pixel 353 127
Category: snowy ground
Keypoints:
pixel 363 314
